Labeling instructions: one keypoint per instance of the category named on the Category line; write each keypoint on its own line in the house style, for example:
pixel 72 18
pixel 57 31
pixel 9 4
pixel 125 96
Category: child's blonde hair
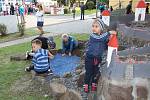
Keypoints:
pixel 37 42
pixel 64 36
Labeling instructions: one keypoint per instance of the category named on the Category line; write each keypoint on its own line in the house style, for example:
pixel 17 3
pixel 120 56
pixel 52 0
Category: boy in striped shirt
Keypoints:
pixel 40 60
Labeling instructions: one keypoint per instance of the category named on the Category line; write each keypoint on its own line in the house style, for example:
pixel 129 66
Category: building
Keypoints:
pixel 124 3
pixel 116 3
pixel 135 3
pixel 2 2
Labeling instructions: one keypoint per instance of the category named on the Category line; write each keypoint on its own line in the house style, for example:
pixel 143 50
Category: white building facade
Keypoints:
pixel 5 2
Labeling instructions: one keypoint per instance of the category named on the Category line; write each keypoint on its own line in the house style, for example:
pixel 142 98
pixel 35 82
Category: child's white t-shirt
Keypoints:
pixel 40 16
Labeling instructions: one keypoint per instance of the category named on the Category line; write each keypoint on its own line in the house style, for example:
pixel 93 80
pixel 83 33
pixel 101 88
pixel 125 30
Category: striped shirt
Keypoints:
pixel 40 60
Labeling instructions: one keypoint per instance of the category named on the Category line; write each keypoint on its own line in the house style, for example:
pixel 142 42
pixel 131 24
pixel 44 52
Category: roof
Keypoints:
pixel 141 4
pixel 105 13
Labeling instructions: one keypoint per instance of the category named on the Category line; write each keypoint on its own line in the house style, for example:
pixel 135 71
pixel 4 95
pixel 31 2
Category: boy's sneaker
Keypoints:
pixel 27 54
pixel 27 69
pixel 50 72
pixel 86 88
pixel 94 87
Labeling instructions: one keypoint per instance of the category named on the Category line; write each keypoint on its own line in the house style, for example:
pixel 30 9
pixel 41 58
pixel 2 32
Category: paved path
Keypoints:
pixel 73 26
pixel 31 20
pixel 79 26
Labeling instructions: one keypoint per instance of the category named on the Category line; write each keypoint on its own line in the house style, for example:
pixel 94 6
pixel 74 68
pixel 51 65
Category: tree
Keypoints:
pixel 90 5
pixel 61 2
pixel 3 29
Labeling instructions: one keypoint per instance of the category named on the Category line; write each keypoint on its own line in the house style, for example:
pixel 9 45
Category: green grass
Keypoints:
pixel 10 71
pixel 87 12
pixel 28 32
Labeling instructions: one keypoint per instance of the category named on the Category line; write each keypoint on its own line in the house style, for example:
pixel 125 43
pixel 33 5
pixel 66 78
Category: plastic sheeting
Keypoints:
pixel 64 64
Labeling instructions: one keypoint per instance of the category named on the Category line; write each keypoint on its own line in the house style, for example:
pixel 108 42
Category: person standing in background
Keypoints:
pixel 74 10
pixel 12 9
pixel 82 8
pixel 22 12
pixel 40 19
pixel 26 9
pixel 111 9
pixel 4 10
pixel 129 8
pixel 102 7
pixel 8 9
pixel 30 10
pixel 147 8
pixel 16 9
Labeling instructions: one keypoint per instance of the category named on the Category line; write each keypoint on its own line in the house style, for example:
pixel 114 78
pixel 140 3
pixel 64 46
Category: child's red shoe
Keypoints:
pixel 94 87
pixel 86 88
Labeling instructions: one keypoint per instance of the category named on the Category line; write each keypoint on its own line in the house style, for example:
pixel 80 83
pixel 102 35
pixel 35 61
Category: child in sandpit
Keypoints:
pixel 47 43
pixel 40 60
pixel 96 47
pixel 68 44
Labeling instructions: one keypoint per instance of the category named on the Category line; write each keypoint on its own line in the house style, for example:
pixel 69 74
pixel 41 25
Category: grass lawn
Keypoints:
pixel 87 12
pixel 28 32
pixel 14 70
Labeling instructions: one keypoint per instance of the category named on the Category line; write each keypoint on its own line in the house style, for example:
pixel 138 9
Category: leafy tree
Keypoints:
pixel 90 5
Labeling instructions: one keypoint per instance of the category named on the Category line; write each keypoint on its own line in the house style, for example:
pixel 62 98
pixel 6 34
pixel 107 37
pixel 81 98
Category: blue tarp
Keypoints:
pixel 61 65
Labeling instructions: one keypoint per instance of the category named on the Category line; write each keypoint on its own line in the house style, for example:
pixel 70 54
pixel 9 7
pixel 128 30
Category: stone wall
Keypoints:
pixel 11 22
pixel 126 19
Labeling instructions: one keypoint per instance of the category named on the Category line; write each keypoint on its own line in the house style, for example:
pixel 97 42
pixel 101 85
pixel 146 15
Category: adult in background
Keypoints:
pixel 69 44
pixel 102 7
pixel 8 9
pixel 129 8
pixel 26 9
pixel 4 9
pixel 82 8
pixel 74 10
pixel 30 10
pixel 147 8
pixel 40 19
pixel 17 9
pixel 12 9
pixel 111 9
pixel 22 12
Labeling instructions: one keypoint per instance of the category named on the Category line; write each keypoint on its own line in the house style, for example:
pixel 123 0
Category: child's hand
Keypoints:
pixel 69 53
pixel 113 32
pixel 63 54
pixel 51 57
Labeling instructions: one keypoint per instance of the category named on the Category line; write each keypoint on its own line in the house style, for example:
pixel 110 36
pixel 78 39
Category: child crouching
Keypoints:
pixel 69 44
pixel 40 63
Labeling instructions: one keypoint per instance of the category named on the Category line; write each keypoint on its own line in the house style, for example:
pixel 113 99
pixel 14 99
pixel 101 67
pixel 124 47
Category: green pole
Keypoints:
pixel 96 8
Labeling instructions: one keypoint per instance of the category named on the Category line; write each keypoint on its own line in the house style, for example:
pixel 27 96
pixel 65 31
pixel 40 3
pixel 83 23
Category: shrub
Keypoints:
pixel 90 5
pixel 73 11
pixel 3 29
pixel 66 11
pixel 21 28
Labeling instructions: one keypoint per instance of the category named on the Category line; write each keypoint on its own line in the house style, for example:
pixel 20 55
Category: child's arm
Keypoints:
pixel 50 55
pixel 112 33
pixel 63 48
pixel 71 45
